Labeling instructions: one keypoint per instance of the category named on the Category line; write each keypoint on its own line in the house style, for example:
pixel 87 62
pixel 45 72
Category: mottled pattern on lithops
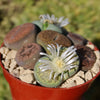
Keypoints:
pixel 21 35
pixel 76 39
pixel 59 63
pixel 28 55
pixel 51 37
pixel 87 57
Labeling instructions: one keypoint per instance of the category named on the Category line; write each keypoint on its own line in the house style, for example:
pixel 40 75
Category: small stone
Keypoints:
pixel 88 75
pixel 11 54
pixel 13 63
pixel 96 68
pixel 90 46
pixel 68 83
pixel 78 80
pixel 97 53
pixel 80 74
pixel 4 50
pixel 34 82
pixel 16 72
pixel 4 56
pixel 6 63
pixel 28 78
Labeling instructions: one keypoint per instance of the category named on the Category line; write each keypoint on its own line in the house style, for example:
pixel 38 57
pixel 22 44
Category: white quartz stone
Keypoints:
pixel 6 63
pixel 96 68
pixel 28 78
pixel 90 46
pixel 78 80
pixel 11 54
pixel 80 74
pixel 68 83
pixel 88 75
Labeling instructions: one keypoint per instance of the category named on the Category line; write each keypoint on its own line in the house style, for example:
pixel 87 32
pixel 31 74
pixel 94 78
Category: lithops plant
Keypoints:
pixel 51 37
pixel 48 22
pixel 28 55
pixel 76 39
pixel 87 57
pixel 21 35
pixel 54 68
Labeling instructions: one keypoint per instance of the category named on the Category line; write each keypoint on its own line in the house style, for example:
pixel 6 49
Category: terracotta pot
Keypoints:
pixel 24 91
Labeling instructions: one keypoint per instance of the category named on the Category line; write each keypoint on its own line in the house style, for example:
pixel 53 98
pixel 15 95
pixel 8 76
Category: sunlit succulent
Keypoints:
pixel 48 22
pixel 53 20
pixel 58 65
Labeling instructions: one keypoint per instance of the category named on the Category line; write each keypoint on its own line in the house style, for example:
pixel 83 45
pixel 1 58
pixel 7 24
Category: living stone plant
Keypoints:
pixel 48 49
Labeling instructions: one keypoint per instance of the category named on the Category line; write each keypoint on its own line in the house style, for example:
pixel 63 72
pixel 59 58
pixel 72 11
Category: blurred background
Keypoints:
pixel 83 15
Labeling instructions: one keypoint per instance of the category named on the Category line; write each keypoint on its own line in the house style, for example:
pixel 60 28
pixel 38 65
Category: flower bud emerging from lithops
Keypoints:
pixel 21 35
pixel 51 70
pixel 87 57
pixel 48 22
pixel 28 55
pixel 51 37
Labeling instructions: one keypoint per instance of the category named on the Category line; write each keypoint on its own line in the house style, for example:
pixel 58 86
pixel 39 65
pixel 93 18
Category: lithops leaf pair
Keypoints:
pixel 48 22
pixel 28 55
pixel 21 35
pixel 51 37
pixel 54 68
pixel 76 39
pixel 87 57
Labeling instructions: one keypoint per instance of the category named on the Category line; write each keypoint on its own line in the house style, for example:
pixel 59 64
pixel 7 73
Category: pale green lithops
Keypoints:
pixel 48 22
pixel 54 68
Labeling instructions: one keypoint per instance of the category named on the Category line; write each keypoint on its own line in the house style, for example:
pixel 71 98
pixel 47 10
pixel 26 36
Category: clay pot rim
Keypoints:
pixel 40 87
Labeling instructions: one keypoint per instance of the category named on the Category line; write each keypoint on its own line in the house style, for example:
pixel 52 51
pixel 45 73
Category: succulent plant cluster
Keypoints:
pixel 47 48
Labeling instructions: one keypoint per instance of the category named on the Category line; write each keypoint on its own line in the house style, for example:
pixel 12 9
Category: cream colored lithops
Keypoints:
pixel 27 76
pixel 88 75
